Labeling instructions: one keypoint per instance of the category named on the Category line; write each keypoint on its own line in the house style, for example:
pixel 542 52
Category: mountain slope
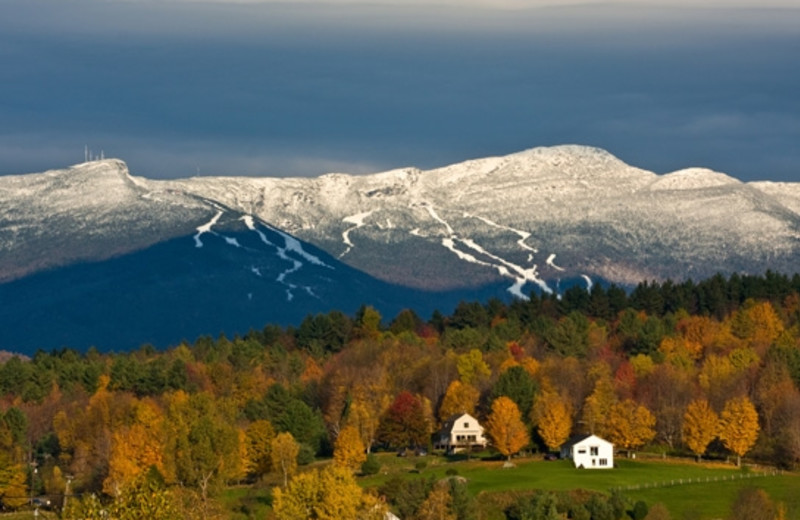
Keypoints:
pixel 531 218
pixel 231 275
pixel 94 249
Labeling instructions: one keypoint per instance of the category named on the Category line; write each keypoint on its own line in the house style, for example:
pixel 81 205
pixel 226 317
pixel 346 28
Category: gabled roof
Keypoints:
pixel 451 421
pixel 578 439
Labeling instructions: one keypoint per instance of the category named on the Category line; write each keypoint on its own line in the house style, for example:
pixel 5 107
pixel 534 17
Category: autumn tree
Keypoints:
pixel 738 426
pixel 348 450
pixel 472 369
pixel 700 423
pixel 284 451
pixel 598 405
pixel 553 418
pixel 258 439
pixel 505 427
pixel 329 494
pixel 438 505
pixel 405 422
pixel 459 398
pixel 630 425
pixel 136 447
pixel 754 504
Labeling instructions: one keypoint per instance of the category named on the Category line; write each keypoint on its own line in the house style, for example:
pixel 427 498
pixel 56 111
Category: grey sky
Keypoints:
pixel 268 88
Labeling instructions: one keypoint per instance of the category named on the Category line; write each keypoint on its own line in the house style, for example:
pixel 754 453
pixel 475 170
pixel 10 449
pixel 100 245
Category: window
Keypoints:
pixel 604 462
pixel 593 450
pixel 466 425
pixel 582 450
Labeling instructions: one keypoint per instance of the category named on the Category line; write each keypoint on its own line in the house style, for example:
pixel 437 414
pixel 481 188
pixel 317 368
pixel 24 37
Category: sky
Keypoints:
pixel 256 87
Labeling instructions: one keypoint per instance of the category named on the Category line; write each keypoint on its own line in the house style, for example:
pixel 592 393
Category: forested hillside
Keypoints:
pixel 708 369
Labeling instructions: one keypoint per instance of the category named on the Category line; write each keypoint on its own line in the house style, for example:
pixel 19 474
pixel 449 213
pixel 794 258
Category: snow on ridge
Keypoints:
pixel 693 179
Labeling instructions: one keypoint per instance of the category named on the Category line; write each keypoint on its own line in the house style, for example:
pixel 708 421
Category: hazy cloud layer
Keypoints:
pixel 269 88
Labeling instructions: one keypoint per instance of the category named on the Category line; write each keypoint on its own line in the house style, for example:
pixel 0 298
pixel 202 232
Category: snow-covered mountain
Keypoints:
pixel 530 218
pixel 516 223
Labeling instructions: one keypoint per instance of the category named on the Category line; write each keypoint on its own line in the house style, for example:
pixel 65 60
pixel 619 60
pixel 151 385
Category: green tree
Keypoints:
pixel 518 385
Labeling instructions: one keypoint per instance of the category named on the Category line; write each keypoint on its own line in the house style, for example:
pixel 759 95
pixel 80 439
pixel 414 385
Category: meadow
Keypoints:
pixel 690 490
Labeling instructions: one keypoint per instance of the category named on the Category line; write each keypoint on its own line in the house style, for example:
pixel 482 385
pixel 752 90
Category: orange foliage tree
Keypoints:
pixel 459 398
pixel 136 447
pixel 505 427
pixel 552 416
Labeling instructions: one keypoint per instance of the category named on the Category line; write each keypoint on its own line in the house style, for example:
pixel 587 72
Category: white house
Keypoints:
pixel 589 451
pixel 459 432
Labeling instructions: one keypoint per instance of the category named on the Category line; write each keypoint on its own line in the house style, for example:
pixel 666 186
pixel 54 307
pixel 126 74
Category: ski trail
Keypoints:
pixel 519 274
pixel 206 228
pixel 523 235
pixel 589 283
pixel 550 260
pixel 291 244
pixel 250 223
pixel 358 221
pixel 435 216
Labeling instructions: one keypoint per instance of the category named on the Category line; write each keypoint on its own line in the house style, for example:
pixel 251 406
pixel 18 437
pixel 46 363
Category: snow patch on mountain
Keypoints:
pixel 551 262
pixel 358 221
pixel 206 228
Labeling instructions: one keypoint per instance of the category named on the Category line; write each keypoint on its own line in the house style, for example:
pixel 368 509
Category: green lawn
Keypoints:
pixel 689 490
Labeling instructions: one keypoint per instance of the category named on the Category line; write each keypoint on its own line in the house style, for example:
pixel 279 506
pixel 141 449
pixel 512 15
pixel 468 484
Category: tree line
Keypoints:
pixel 710 369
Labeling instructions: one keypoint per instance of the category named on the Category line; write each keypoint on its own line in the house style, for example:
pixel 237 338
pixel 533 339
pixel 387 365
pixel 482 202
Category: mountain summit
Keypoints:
pixel 500 225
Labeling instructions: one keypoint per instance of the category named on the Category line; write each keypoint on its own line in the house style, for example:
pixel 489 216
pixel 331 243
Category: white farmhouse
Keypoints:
pixel 589 451
pixel 459 432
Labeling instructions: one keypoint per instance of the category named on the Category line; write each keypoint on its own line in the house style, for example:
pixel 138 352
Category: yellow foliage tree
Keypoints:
pixel 552 416
pixel 598 405
pixel 135 447
pixel 472 368
pixel 738 426
pixel 630 425
pixel 348 450
pixel 369 402
pixel 13 489
pixel 459 398
pixel 700 423
pixel 505 427
pixel 258 442
pixel 437 505
pixel 284 455
pixel 329 494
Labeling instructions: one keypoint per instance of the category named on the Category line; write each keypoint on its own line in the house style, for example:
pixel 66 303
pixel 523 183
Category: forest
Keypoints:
pixel 707 369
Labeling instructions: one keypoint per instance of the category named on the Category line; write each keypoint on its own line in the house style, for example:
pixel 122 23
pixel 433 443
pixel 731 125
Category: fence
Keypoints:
pixel 698 480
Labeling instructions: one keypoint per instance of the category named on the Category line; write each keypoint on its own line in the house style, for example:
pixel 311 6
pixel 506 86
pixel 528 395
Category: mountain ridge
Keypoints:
pixel 526 221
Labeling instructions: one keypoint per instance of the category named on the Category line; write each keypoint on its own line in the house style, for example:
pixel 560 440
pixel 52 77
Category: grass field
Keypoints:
pixel 690 491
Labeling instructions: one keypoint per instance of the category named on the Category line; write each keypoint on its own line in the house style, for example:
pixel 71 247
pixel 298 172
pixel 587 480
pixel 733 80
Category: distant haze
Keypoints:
pixel 254 87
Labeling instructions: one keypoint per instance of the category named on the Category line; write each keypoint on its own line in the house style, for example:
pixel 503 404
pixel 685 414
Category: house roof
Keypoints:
pixel 451 421
pixel 578 439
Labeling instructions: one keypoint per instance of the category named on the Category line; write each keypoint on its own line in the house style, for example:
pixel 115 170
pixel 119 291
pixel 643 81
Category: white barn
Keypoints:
pixel 589 451
pixel 460 431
